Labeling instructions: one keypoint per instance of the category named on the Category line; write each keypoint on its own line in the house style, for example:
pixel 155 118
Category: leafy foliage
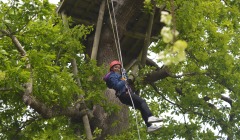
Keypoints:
pixel 204 89
pixel 50 48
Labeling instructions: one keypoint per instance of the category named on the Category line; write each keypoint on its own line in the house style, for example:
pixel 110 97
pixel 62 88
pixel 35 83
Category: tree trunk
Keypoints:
pixel 124 10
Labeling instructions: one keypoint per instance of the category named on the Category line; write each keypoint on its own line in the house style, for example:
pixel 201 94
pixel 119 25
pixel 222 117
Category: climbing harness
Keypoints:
pixel 118 48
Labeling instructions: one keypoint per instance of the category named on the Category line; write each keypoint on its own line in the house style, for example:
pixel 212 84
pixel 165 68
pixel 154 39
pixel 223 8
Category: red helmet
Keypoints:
pixel 115 62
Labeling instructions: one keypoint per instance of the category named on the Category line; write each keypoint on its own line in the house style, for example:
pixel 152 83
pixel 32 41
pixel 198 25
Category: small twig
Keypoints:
pixel 26 123
pixel 186 74
pixel 5 89
pixel 155 88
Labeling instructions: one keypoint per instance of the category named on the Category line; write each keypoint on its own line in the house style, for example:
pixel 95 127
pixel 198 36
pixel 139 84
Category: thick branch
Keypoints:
pixel 150 62
pixel 44 110
pixel 47 112
pixel 163 72
pixel 157 75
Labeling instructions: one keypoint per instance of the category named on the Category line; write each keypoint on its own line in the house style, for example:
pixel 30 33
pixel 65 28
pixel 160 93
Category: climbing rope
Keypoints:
pixel 118 41
pixel 114 34
pixel 118 47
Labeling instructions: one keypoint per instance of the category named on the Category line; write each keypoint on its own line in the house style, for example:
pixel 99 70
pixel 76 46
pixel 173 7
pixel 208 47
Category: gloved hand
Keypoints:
pixel 124 74
pixel 124 79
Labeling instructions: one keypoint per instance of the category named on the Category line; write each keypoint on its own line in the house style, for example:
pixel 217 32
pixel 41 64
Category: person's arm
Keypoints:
pixel 117 84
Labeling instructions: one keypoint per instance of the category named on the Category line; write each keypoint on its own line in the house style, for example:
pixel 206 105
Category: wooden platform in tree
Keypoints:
pixel 86 12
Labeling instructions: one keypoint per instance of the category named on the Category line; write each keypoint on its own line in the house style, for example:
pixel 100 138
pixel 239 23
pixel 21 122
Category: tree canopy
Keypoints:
pixel 41 97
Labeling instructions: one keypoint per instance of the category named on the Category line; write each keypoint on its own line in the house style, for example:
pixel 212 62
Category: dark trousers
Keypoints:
pixel 139 104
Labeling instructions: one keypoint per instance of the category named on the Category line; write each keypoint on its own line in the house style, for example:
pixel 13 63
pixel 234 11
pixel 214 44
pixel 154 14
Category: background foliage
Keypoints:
pixel 50 48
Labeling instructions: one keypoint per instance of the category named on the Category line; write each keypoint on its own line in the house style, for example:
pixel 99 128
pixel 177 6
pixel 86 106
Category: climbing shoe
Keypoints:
pixel 153 119
pixel 154 127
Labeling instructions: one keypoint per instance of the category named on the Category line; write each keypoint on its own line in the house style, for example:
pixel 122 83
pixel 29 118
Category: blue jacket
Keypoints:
pixel 113 80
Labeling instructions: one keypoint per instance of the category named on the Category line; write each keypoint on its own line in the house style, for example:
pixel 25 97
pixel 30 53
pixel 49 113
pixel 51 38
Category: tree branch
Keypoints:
pixel 185 74
pixel 156 75
pixel 5 32
pixel 6 89
pixel 47 112
pixel 206 98
pixel 222 82
pixel 15 42
pixel 18 45
pixel 150 62
pixel 163 72
pixel 155 88
pixel 226 99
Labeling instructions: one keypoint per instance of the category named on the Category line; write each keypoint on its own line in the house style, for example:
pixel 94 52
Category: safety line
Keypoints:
pixel 119 46
pixel 114 34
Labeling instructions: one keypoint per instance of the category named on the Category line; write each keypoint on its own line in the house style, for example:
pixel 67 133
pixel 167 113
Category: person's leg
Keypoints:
pixel 139 104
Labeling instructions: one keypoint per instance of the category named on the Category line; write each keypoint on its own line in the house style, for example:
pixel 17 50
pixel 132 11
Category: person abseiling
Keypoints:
pixel 115 81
